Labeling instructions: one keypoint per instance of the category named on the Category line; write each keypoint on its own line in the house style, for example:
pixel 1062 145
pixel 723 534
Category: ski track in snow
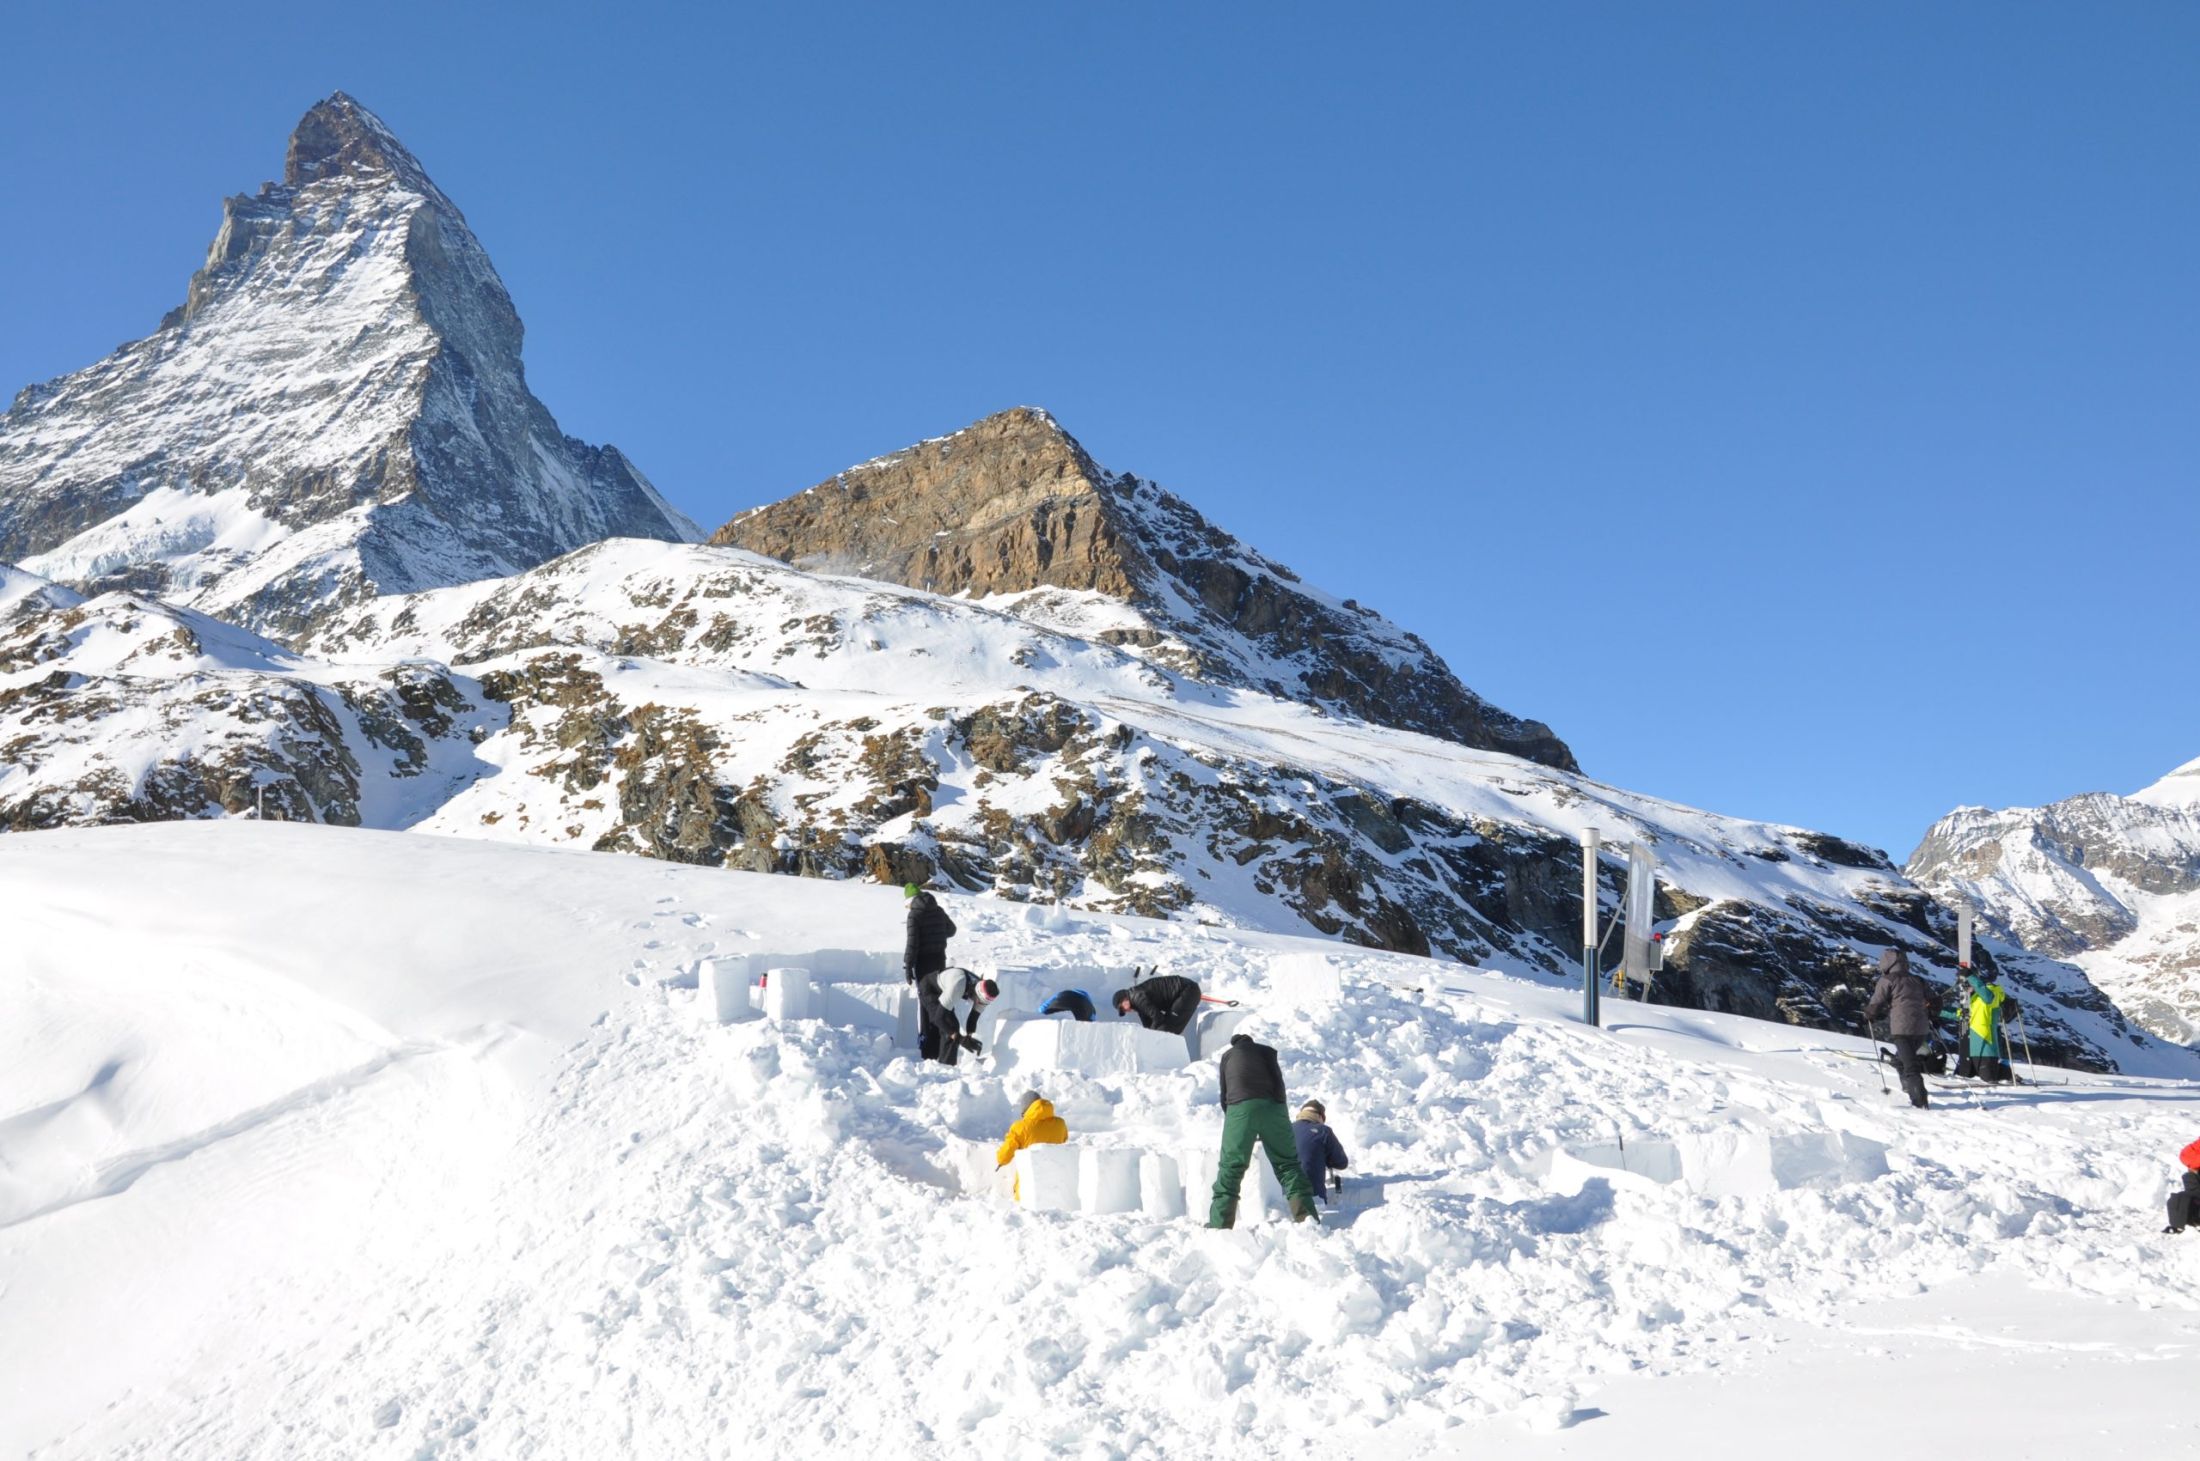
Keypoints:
pixel 559 1215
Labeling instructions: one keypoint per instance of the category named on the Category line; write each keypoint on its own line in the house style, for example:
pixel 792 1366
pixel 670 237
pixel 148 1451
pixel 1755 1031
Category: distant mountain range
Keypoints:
pixel 314 543
pixel 2111 883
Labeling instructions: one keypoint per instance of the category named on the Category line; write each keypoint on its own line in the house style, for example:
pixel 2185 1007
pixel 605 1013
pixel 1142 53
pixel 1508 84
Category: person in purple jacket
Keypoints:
pixel 1320 1153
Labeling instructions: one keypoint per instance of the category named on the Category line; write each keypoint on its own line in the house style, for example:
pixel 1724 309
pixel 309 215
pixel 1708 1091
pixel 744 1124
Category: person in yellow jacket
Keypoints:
pixel 1985 1007
pixel 1037 1126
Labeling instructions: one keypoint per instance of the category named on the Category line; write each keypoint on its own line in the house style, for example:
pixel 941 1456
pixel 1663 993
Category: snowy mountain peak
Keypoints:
pixel 2181 788
pixel 339 137
pixel 337 410
pixel 1013 509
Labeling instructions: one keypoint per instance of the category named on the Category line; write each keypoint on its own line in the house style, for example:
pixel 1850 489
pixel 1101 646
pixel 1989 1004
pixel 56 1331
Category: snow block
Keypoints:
pixel 1112 1048
pixel 1211 1032
pixel 1260 1195
pixel 842 966
pixel 1107 1180
pixel 1046 1177
pixel 1160 1186
pixel 1023 988
pixel 1305 979
pixel 787 994
pixel 722 986
pixel 887 1008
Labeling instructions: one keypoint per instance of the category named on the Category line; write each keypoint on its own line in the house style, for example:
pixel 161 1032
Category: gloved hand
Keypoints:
pixel 972 1044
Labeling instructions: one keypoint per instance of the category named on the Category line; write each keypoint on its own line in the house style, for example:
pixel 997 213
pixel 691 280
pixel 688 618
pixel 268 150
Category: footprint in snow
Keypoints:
pixel 388 1414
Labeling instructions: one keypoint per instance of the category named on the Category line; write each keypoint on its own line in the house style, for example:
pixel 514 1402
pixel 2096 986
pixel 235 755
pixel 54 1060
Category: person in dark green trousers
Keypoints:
pixel 1253 1109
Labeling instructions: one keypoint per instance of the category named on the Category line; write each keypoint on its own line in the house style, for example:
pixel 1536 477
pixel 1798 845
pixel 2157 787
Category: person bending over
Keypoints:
pixel 1167 1003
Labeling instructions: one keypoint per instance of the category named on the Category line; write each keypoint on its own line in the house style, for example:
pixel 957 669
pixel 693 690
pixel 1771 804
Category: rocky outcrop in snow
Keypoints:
pixel 120 708
pixel 2111 883
pixel 336 410
pixel 1015 511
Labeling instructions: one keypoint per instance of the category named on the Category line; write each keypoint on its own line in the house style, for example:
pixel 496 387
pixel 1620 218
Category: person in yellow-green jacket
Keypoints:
pixel 1985 1007
pixel 1037 1126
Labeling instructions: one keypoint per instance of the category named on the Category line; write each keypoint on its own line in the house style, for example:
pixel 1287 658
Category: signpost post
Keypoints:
pixel 1639 932
pixel 1590 840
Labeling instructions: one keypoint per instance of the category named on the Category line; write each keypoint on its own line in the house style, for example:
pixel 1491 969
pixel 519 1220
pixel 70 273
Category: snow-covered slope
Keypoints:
pixel 319 1142
pixel 1012 509
pixel 125 708
pixel 711 706
pixel 2111 883
pixel 337 410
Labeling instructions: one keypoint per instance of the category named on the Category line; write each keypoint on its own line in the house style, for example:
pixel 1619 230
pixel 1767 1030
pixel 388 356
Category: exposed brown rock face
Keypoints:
pixel 1014 505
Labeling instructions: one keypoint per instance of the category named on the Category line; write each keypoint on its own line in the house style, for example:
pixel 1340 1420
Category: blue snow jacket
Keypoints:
pixel 1319 1154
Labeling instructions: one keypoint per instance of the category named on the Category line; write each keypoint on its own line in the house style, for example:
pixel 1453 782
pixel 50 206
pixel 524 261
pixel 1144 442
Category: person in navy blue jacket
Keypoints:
pixel 1320 1153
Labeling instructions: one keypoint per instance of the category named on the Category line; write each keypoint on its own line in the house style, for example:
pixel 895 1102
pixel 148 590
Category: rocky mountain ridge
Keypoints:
pixel 715 707
pixel 2111 883
pixel 336 410
pixel 1013 510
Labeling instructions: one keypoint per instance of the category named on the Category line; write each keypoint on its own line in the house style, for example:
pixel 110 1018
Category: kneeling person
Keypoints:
pixel 1037 1126
pixel 1320 1152
pixel 2184 1205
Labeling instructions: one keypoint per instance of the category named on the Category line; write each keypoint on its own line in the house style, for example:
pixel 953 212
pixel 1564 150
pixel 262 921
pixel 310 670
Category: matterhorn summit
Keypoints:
pixel 337 410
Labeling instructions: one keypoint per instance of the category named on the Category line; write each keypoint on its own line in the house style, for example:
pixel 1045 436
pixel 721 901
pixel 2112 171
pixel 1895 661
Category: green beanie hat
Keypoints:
pixel 910 890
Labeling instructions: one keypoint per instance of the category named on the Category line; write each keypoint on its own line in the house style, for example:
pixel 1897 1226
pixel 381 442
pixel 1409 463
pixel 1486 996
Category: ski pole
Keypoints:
pixel 1878 1064
pixel 2024 1033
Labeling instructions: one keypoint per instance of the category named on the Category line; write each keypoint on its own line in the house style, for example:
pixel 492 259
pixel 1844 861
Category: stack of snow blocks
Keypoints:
pixel 1260 1195
pixel 1098 1180
pixel 849 987
pixel 1102 1048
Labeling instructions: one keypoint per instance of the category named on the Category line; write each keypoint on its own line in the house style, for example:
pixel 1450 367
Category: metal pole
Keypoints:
pixel 259 803
pixel 1590 840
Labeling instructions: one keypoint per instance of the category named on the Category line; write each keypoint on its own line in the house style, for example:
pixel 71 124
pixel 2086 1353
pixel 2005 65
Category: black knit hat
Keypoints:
pixel 1117 1000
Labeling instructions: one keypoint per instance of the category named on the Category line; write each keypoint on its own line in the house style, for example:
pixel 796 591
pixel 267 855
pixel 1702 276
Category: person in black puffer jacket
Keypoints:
pixel 924 952
pixel 1253 1110
pixel 1902 999
pixel 1167 1003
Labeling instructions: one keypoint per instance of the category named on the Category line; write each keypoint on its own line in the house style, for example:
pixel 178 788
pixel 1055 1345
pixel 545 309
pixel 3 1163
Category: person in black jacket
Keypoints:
pixel 1253 1109
pixel 1167 1003
pixel 924 952
pixel 1902 999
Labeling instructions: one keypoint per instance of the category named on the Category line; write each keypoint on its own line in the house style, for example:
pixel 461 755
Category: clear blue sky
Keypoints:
pixel 1854 348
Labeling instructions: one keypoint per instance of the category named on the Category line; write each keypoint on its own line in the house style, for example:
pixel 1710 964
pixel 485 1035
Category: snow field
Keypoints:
pixel 366 1144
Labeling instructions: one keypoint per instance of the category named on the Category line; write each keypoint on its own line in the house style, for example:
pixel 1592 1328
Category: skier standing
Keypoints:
pixel 1900 999
pixel 1253 1109
pixel 1986 1053
pixel 1319 1150
pixel 924 952
pixel 1167 1003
